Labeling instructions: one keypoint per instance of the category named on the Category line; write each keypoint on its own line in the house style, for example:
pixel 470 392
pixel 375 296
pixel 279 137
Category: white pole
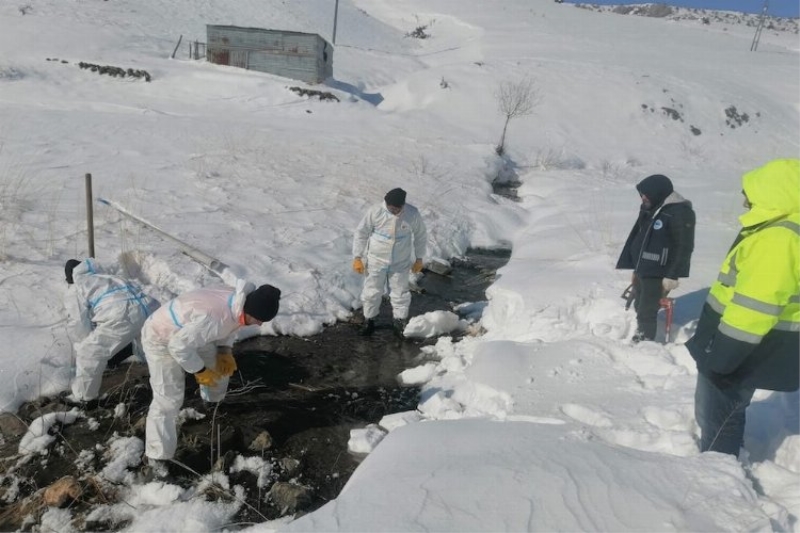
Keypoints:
pixel 214 265
pixel 335 16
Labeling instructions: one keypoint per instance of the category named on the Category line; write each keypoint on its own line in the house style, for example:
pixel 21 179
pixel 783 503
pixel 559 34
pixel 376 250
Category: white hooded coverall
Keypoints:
pixel 106 314
pixel 183 336
pixel 389 241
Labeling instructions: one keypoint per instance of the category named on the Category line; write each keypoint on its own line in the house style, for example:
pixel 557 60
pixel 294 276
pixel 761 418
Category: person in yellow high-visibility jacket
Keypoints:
pixel 748 335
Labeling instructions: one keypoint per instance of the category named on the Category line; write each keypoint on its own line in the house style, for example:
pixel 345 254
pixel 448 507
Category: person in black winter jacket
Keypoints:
pixel 658 249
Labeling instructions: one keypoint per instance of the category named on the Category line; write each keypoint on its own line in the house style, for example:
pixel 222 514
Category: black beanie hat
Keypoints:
pixel 262 304
pixel 395 197
pixel 68 268
pixel 656 187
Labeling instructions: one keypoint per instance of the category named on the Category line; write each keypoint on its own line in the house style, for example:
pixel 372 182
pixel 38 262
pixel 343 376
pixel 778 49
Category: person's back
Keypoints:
pixel 194 333
pixel 198 317
pixel 105 295
pixel 107 316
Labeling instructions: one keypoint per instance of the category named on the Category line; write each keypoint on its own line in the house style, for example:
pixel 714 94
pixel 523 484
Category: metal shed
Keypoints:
pixel 301 56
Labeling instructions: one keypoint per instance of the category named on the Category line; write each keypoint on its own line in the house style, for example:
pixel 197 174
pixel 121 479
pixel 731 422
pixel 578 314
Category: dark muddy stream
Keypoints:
pixel 315 390
pixel 293 402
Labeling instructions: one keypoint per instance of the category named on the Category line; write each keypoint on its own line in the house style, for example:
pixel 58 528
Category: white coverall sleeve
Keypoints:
pixel 362 234
pixel 420 237
pixel 183 345
pixel 228 341
pixel 78 320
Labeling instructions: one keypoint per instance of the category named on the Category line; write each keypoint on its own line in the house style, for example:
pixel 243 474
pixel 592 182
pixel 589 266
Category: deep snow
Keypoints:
pixel 549 420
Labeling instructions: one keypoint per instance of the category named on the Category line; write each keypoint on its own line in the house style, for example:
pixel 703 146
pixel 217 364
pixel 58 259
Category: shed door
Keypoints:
pixel 238 58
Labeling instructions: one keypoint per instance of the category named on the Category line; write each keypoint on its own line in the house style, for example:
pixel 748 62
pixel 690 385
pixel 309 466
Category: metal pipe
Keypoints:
pixel 214 265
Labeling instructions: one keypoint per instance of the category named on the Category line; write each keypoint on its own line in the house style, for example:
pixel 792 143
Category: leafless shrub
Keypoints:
pixel 557 159
pixel 419 31
pixel 617 171
pixel 515 99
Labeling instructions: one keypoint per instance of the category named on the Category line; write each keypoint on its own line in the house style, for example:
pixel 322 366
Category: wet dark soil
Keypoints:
pixel 304 394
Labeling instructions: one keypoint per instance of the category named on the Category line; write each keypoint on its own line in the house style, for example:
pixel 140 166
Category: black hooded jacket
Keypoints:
pixel 661 241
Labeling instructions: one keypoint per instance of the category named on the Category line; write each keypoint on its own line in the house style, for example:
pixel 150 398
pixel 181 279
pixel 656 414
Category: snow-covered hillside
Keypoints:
pixel 273 184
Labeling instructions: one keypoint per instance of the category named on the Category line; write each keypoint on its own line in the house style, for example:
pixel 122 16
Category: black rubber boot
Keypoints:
pixel 399 325
pixel 120 356
pixel 155 470
pixel 368 328
pixel 66 398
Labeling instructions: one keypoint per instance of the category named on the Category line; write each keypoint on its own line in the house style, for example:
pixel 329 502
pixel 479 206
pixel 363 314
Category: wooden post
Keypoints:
pixel 176 47
pixel 89 214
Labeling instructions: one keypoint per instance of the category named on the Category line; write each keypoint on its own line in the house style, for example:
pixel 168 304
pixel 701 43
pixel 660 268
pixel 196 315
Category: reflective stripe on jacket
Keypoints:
pixel 757 288
pixel 661 246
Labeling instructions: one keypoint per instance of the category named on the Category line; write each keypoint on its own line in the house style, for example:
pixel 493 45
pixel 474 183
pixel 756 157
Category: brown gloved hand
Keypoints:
pixel 416 268
pixel 358 265
pixel 207 377
pixel 226 364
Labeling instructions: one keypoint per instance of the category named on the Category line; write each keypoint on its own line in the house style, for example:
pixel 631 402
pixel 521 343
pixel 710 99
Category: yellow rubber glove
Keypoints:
pixel 226 364
pixel 207 377
pixel 358 265
pixel 416 268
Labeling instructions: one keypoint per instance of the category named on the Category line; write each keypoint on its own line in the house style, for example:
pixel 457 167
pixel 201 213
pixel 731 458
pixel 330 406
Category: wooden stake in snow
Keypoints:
pixel 89 213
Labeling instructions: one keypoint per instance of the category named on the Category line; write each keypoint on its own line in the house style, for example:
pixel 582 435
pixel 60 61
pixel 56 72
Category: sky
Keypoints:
pixel 776 8
pixel 550 419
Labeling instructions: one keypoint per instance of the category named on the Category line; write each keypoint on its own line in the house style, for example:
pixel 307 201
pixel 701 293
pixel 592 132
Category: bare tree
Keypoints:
pixel 515 99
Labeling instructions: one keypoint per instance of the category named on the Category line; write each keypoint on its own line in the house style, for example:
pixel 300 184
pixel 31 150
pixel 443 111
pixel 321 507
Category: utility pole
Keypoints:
pixel 757 36
pixel 335 16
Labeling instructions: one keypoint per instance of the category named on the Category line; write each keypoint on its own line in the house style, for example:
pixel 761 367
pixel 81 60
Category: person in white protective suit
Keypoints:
pixel 394 239
pixel 194 333
pixel 106 314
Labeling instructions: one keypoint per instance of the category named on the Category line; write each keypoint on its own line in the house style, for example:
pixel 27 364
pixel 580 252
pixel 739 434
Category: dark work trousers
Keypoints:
pixel 720 413
pixel 648 302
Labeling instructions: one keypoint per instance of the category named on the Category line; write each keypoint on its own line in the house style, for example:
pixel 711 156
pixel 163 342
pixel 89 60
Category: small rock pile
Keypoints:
pixel 116 71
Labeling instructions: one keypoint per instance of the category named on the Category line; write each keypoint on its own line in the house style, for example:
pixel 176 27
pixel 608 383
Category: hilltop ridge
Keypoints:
pixel 710 17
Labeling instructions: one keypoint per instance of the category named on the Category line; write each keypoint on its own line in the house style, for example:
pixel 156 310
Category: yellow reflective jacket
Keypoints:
pixel 757 287
pixel 749 330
